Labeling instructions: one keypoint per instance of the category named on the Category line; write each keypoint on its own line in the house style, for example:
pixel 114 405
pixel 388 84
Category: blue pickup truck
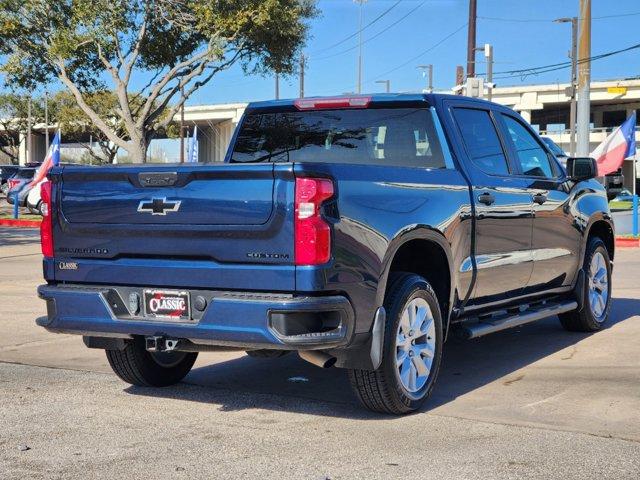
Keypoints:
pixel 359 232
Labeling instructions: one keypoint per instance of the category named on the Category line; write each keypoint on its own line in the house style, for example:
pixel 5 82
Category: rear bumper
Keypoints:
pixel 232 319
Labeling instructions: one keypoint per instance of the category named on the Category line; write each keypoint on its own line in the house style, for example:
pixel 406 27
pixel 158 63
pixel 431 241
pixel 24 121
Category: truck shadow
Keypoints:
pixel 291 384
pixel 11 236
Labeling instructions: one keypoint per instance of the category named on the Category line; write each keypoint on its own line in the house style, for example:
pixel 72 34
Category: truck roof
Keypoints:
pixel 386 98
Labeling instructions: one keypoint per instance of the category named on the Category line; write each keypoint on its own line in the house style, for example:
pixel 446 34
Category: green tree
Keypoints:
pixel 175 46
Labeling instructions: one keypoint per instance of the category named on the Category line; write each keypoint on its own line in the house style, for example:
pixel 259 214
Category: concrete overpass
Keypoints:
pixel 546 107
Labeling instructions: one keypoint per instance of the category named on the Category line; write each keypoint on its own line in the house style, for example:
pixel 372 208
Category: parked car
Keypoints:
pixel 556 150
pixel 34 200
pixel 360 232
pixel 613 182
pixel 20 183
pixel 6 172
pixel 624 196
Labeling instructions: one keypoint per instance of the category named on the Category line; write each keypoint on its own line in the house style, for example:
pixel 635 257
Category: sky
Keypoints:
pixel 433 32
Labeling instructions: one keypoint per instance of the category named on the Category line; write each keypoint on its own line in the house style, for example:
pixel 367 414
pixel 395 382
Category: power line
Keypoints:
pixel 355 34
pixel 546 20
pixel 524 72
pixel 376 35
pixel 413 59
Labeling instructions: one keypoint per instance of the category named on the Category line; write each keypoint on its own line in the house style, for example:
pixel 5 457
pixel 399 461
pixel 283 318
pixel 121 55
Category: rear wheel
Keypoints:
pixel 137 366
pixel 596 294
pixel 412 350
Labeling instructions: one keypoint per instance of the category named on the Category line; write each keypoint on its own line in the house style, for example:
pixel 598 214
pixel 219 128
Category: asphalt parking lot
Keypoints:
pixel 533 402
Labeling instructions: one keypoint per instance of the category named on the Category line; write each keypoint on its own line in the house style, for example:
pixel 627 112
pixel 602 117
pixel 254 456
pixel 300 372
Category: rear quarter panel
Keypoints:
pixel 375 210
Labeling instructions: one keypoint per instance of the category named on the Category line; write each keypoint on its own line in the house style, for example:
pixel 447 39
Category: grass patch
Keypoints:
pixel 613 205
pixel 23 216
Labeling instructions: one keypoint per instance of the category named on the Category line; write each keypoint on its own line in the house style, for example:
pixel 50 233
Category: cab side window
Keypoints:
pixel 533 159
pixel 481 140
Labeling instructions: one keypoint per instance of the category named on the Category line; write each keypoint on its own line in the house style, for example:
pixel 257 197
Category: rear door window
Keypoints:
pixel 387 136
pixel 481 140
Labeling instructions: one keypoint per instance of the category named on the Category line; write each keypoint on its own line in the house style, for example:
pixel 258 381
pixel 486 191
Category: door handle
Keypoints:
pixel 539 198
pixel 486 198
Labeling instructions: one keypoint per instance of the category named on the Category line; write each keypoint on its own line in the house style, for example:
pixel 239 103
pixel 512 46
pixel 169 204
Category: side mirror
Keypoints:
pixel 582 168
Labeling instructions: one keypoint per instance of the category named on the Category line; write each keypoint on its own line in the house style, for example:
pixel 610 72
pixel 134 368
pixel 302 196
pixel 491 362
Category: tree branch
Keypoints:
pixel 89 112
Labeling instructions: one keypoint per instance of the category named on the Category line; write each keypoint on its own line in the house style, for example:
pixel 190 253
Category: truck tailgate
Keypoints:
pixel 227 225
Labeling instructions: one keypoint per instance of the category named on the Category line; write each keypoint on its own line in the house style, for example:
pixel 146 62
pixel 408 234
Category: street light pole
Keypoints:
pixel 573 55
pixel 584 78
pixel 427 71
pixel 182 126
pixel 488 54
pixel 387 84
pixel 277 86
pixel 359 87
pixel 29 125
pixel 46 120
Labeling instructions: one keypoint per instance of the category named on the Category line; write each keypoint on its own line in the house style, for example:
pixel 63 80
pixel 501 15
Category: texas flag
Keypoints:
pixel 620 144
pixel 52 159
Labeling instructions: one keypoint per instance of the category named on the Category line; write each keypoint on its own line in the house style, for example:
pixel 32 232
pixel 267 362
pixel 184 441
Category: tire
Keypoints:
pixel 593 315
pixel 39 208
pixel 136 366
pixel 264 353
pixel 383 390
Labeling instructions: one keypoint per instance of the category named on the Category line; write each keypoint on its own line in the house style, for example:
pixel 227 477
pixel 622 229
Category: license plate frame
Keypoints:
pixel 171 305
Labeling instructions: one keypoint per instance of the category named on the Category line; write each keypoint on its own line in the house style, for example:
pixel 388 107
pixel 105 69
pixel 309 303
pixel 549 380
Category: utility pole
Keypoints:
pixel 359 87
pixel 584 77
pixel 573 55
pixel 427 71
pixel 29 124
pixel 277 86
pixel 302 61
pixel 46 120
pixel 471 40
pixel 182 126
pixel 387 84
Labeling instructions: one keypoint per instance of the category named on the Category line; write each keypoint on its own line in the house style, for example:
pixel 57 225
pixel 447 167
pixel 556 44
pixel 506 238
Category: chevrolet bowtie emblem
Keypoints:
pixel 158 206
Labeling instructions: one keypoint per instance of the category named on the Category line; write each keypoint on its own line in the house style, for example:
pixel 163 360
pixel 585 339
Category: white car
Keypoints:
pixel 34 202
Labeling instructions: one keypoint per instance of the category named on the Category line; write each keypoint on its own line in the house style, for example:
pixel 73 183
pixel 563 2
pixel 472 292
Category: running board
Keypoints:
pixel 509 320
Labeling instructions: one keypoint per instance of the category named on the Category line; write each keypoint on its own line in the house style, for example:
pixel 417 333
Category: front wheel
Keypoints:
pixel 596 291
pixel 137 366
pixel 412 350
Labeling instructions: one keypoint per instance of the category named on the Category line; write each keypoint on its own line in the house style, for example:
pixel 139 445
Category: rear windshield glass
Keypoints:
pixel 398 136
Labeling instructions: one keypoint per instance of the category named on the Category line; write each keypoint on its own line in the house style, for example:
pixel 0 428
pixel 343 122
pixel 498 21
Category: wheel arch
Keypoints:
pixel 435 259
pixel 602 228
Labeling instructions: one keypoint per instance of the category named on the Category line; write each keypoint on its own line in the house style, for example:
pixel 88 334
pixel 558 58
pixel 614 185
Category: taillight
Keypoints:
pixel 13 183
pixel 312 232
pixel 46 227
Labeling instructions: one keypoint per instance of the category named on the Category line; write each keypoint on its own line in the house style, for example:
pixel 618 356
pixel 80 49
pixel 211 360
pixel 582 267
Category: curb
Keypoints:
pixel 11 222
pixel 627 242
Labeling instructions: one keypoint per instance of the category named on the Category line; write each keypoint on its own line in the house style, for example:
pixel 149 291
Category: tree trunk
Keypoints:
pixel 138 150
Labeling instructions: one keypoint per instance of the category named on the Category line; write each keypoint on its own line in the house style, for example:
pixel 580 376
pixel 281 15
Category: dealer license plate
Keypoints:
pixel 167 304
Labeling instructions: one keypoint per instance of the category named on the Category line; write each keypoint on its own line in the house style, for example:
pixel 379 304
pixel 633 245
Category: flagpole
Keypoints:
pixel 635 198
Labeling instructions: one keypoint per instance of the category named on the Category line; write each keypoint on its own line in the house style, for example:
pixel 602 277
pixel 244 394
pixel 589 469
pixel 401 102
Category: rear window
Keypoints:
pixel 398 136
